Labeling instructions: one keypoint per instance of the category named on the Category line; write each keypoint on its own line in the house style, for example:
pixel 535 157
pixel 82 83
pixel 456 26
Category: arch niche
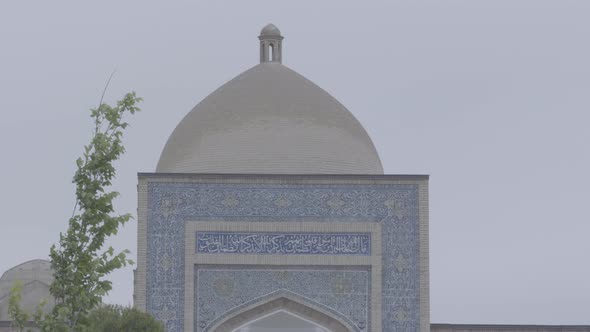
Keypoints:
pixel 285 306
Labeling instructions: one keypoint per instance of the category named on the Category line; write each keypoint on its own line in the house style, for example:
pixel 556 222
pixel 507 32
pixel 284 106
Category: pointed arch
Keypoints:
pixel 285 301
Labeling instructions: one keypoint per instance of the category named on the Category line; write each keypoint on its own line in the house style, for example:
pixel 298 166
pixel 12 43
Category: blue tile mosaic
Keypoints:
pixel 395 206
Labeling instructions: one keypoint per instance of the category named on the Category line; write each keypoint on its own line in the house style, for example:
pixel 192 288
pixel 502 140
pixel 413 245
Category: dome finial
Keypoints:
pixel 271 48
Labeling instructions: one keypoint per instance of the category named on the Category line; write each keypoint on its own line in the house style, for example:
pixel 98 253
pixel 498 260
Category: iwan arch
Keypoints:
pixel 269 211
pixel 283 312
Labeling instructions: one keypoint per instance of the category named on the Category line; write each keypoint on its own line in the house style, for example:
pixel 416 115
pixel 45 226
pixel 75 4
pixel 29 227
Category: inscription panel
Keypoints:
pixel 283 243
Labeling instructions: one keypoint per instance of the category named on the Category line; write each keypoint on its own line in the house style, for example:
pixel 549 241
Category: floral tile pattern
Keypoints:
pixel 219 289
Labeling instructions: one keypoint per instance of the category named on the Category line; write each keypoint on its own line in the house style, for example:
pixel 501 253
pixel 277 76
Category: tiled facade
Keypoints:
pixel 191 291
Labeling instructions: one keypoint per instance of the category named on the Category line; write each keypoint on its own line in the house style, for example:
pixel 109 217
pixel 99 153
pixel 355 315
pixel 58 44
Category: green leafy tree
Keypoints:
pixel 19 316
pixel 110 318
pixel 79 260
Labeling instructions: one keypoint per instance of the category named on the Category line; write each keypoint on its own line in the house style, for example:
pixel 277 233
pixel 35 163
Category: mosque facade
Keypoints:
pixel 269 211
pixel 270 199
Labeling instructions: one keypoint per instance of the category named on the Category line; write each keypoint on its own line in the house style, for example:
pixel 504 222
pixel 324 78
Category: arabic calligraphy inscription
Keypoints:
pixel 284 243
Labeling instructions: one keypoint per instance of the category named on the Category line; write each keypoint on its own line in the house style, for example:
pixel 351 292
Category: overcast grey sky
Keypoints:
pixel 491 98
